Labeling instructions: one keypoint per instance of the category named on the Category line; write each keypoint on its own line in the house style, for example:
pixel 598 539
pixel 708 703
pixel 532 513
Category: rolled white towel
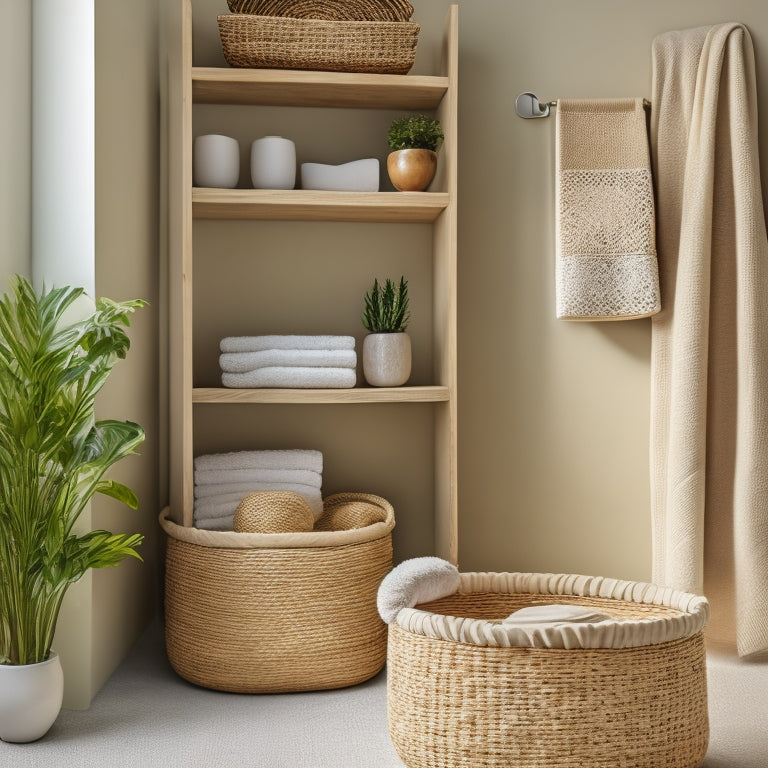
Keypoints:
pixel 296 458
pixel 258 343
pixel 292 378
pixel 226 504
pixel 414 581
pixel 210 490
pixel 242 362
pixel 303 476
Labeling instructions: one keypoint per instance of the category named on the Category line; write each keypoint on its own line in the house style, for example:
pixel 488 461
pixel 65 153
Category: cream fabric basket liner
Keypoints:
pixel 688 614
pixel 232 540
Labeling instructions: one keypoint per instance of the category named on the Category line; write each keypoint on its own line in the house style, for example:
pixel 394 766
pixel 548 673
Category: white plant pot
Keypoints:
pixel 273 163
pixel 387 359
pixel 30 699
pixel 216 161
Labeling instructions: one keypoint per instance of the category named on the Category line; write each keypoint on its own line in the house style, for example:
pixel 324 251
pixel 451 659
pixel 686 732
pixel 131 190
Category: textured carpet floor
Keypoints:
pixel 147 717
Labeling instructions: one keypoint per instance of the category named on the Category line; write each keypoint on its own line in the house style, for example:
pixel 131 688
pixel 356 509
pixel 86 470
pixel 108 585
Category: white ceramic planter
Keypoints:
pixel 216 161
pixel 273 163
pixel 357 176
pixel 386 359
pixel 30 699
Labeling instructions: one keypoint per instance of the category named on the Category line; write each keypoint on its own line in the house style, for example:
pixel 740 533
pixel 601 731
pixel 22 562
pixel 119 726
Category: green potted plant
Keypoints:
pixel 415 141
pixel 53 457
pixel 387 348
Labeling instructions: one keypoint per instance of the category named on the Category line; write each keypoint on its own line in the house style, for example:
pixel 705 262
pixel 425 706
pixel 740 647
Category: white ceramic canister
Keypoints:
pixel 273 163
pixel 216 161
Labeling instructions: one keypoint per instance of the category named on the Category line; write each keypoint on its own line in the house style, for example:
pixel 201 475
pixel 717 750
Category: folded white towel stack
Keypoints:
pixel 223 479
pixel 296 362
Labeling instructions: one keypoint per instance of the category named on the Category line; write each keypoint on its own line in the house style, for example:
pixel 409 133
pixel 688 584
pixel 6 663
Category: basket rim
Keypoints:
pixel 303 540
pixel 614 633
pixel 407 27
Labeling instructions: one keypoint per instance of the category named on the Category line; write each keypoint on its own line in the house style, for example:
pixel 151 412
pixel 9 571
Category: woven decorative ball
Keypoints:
pixel 347 515
pixel 273 512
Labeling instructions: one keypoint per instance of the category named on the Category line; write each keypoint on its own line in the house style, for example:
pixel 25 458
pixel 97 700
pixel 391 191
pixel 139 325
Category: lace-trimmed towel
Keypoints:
pixel 606 265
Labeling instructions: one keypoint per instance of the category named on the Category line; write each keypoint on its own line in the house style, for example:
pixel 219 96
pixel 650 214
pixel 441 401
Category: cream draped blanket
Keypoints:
pixel 709 431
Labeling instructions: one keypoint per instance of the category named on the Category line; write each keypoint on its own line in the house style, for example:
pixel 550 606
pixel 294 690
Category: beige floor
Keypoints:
pixel 147 717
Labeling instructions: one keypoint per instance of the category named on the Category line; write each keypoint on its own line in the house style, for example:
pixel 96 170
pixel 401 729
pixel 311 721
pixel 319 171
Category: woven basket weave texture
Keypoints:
pixel 264 620
pixel 456 705
pixel 270 42
pixel 331 10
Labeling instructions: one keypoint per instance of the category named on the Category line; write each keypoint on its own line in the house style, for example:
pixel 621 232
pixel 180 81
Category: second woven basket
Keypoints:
pixel 270 613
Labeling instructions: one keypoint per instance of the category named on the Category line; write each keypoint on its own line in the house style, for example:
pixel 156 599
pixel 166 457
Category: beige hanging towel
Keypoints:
pixel 709 352
pixel 606 266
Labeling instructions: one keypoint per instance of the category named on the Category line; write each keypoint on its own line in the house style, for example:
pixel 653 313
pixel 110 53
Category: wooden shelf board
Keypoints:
pixel 292 88
pixel 311 205
pixel 433 394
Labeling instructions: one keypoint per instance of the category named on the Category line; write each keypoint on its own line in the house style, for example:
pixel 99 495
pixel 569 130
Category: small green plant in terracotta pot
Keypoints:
pixel 415 141
pixel 387 348
pixel 53 457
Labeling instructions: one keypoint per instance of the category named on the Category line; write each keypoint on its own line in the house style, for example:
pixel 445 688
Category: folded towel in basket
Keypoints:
pixel 303 476
pixel 292 378
pixel 225 505
pixel 555 613
pixel 259 343
pixel 606 267
pixel 210 490
pixel 294 458
pixel 242 362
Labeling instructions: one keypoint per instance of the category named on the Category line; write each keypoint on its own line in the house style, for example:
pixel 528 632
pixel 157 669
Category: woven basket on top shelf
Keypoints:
pixel 271 613
pixel 271 42
pixel 331 10
pixel 459 695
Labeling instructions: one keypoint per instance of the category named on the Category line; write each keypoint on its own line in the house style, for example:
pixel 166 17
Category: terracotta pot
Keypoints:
pixel 30 699
pixel 411 170
pixel 386 359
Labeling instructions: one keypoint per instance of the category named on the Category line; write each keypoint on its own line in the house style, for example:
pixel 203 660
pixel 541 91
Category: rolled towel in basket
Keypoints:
pixel 415 581
pixel 209 490
pixel 217 507
pixel 292 378
pixel 242 362
pixel 259 343
pixel 303 476
pixel 296 458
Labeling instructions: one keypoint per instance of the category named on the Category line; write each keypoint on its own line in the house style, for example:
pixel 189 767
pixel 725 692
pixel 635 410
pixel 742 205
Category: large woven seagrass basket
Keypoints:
pixel 630 691
pixel 269 613
pixel 280 42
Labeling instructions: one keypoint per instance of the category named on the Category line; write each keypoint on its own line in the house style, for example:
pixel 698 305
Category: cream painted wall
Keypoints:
pixel 126 226
pixel 15 139
pixel 553 417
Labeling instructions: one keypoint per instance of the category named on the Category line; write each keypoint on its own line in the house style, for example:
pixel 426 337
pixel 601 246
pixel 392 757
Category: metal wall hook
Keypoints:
pixel 528 106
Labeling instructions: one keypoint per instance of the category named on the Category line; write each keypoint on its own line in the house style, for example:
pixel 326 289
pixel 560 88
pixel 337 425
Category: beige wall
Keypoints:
pixel 553 417
pixel 15 139
pixel 127 178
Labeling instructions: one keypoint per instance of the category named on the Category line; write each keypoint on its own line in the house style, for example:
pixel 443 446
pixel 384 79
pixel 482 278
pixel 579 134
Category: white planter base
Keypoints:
pixel 30 699
pixel 387 359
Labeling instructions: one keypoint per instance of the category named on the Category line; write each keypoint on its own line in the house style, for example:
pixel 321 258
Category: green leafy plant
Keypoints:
pixel 415 132
pixel 53 456
pixel 386 309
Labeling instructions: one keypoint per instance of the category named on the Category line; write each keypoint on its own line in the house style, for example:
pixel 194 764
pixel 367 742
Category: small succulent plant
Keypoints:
pixel 415 132
pixel 386 308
